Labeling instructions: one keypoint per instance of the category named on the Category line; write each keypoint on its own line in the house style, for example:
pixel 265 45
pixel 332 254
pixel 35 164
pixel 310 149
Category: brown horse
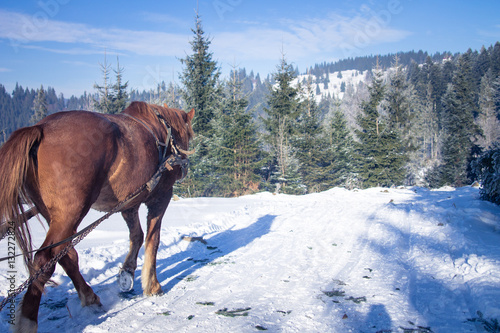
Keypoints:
pixel 72 161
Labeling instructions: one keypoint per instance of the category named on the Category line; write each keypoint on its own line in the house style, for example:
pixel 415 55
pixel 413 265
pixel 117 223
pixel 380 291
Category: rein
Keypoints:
pixel 166 163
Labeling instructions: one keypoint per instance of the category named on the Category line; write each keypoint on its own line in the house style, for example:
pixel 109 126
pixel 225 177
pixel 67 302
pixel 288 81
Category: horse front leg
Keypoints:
pixel 126 275
pixel 156 210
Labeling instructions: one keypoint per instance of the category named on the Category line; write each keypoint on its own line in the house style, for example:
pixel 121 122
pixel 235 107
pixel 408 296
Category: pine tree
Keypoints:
pixel 104 102
pixel 282 112
pixel 235 142
pixel 200 78
pixel 379 156
pixel 338 154
pixel 202 91
pixel 399 106
pixel 459 129
pixel 39 106
pixel 308 143
pixel 428 126
pixel 495 60
pixel 487 119
pixel 398 103
pixel 120 95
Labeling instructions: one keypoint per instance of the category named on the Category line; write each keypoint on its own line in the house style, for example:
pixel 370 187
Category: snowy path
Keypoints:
pixel 377 260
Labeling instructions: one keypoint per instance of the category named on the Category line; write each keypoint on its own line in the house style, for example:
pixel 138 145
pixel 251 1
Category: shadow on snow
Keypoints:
pixel 57 303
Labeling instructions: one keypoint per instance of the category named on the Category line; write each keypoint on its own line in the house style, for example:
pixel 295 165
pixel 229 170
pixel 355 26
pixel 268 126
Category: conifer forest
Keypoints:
pixel 410 118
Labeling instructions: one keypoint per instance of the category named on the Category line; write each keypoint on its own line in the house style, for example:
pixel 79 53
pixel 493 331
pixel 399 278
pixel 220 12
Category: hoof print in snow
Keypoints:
pixel 54 305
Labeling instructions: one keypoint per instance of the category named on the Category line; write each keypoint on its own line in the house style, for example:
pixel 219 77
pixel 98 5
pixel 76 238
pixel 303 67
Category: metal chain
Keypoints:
pixel 68 247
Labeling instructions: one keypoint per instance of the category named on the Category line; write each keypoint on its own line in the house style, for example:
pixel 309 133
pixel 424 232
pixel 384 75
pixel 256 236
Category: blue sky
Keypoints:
pixel 60 43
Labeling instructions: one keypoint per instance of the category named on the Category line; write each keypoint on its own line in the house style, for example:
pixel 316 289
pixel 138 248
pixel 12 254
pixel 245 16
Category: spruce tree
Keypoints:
pixel 495 60
pixel 379 156
pixel 235 143
pixel 200 78
pixel 399 105
pixel 308 141
pixel 487 120
pixel 459 107
pixel 120 94
pixel 104 101
pixel 428 126
pixel 338 154
pixel 39 106
pixel 282 113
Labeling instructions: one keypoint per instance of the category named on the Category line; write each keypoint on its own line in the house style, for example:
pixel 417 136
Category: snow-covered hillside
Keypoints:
pixel 334 83
pixel 376 260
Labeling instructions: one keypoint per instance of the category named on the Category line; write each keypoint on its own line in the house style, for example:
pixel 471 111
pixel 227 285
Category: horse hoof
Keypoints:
pixel 25 325
pixel 125 281
pixel 97 308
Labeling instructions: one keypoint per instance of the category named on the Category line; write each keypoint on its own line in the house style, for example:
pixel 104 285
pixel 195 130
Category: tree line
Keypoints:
pixel 414 124
pixel 415 119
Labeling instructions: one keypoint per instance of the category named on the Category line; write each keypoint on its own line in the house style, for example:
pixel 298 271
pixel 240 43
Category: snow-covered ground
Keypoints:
pixel 376 260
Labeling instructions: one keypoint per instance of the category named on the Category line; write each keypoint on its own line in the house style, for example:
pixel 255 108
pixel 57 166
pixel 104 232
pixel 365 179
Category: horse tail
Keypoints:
pixel 17 164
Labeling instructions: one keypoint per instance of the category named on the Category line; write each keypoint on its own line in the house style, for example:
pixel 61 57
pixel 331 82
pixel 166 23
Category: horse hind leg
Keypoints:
pixel 27 316
pixel 28 311
pixel 126 275
pixel 70 265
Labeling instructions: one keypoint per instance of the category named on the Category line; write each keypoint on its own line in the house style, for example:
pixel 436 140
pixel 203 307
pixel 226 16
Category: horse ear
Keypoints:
pixel 191 114
pixel 165 105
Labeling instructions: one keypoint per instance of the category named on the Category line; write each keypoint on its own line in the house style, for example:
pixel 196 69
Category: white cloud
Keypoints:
pixel 5 70
pixel 328 37
pixel 23 30
pixel 334 35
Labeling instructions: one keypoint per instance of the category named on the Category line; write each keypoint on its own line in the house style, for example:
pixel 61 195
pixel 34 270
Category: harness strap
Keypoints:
pixel 162 147
pixel 166 162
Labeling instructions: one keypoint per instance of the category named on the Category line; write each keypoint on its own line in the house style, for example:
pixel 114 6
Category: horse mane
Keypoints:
pixel 176 118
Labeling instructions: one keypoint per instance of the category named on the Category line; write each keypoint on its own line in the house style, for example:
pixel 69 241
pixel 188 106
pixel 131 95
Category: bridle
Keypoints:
pixel 167 158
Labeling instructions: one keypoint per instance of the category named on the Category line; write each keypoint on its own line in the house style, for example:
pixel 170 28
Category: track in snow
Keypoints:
pixel 339 261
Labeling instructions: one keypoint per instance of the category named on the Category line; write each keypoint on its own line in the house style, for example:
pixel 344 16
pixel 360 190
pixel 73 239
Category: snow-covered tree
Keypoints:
pixel 39 106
